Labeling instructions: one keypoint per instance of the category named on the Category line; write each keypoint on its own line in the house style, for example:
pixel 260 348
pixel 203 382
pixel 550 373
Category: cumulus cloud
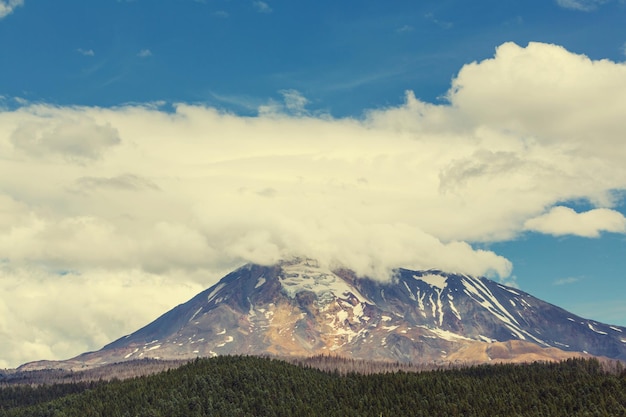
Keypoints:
pixel 565 221
pixel 135 194
pixel 7 6
pixel 52 315
pixel 44 131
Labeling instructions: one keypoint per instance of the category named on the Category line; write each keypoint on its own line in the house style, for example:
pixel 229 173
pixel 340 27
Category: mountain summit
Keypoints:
pixel 298 308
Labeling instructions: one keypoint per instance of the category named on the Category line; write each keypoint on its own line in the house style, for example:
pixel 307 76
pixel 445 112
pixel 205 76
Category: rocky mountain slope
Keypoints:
pixel 297 308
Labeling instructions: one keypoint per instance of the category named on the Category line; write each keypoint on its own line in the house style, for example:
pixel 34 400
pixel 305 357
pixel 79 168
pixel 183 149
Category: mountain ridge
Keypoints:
pixel 297 308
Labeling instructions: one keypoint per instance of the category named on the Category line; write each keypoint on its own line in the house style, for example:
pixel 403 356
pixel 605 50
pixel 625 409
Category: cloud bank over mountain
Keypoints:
pixel 136 193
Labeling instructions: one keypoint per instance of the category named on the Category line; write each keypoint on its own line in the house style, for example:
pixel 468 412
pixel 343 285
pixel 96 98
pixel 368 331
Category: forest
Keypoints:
pixel 253 386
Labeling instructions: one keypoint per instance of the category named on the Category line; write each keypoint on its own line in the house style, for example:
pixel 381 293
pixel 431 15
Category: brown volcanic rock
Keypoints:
pixel 512 351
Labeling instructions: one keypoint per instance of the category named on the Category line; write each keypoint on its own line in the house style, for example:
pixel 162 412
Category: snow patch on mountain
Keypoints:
pixel 438 281
pixel 509 290
pixel 195 314
pixel 306 277
pixel 131 353
pixel 411 295
pixel 453 308
pixel 215 291
pixel 595 330
pixel 485 298
pixel 445 334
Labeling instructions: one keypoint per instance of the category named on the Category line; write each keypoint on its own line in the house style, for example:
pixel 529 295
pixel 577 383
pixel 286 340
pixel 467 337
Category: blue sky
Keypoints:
pixel 344 58
pixel 147 147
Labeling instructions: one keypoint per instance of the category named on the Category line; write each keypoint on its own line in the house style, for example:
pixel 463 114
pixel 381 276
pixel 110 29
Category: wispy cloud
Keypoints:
pixel 441 23
pixel 144 53
pixel 241 102
pixel 128 182
pixel 293 103
pixel 7 6
pixel 581 5
pixel 566 281
pixel 405 29
pixel 221 14
pixel 262 7
pixel 86 52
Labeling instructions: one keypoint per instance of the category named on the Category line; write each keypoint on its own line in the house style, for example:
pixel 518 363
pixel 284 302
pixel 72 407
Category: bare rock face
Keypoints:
pixel 297 308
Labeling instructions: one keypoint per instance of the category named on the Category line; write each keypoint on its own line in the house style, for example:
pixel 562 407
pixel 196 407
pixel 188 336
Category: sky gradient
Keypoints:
pixel 149 147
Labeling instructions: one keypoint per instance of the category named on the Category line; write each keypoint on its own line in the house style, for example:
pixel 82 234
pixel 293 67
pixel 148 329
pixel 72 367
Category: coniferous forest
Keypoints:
pixel 252 386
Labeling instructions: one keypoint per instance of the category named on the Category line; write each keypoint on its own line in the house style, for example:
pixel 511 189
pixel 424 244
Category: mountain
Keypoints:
pixel 297 308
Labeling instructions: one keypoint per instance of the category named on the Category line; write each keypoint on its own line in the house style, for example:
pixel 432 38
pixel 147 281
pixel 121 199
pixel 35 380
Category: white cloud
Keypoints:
pixel 405 29
pixel 566 281
pixel 262 7
pixel 53 132
pixel 128 182
pixel 86 52
pixel 582 5
pixel 551 108
pixel 144 53
pixel 132 194
pixel 59 315
pixel 293 103
pixel 565 221
pixel 440 23
pixel 221 14
pixel 7 6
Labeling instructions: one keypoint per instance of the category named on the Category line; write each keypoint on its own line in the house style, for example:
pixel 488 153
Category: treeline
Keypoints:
pixel 120 370
pixel 17 396
pixel 252 386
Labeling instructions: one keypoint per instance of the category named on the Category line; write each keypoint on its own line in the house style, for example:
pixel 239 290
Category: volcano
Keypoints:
pixel 297 308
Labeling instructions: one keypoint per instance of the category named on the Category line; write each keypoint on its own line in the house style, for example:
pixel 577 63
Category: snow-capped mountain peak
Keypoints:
pixel 299 308
pixel 306 275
